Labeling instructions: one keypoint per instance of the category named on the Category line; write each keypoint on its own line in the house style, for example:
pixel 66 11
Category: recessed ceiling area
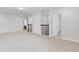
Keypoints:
pixel 25 11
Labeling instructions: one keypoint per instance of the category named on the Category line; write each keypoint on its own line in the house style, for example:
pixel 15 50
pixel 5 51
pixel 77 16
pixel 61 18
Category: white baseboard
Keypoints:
pixel 73 40
pixel 10 31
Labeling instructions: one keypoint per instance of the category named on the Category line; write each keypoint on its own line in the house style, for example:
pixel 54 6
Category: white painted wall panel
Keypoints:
pixel 70 23
pixel 36 22
pixel 9 23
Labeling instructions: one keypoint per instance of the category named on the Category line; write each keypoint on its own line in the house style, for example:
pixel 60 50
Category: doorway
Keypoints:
pixel 29 24
pixel 25 23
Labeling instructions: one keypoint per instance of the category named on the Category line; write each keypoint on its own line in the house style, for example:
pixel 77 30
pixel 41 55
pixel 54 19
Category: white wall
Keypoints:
pixel 30 20
pixel 44 19
pixel 36 28
pixel 70 23
pixel 54 24
pixel 9 23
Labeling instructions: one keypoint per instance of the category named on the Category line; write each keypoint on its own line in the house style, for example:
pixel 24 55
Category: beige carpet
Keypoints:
pixel 28 42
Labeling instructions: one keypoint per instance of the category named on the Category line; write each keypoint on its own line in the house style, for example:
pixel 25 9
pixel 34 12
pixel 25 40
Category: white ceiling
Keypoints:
pixel 26 10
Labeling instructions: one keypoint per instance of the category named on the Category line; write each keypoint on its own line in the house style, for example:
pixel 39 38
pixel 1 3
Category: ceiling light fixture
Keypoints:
pixel 21 8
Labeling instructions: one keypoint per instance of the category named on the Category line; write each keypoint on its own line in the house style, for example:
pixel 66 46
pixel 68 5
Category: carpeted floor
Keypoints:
pixel 28 42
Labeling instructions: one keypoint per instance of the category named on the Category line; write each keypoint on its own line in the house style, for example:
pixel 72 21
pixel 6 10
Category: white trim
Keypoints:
pixel 10 31
pixel 64 38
